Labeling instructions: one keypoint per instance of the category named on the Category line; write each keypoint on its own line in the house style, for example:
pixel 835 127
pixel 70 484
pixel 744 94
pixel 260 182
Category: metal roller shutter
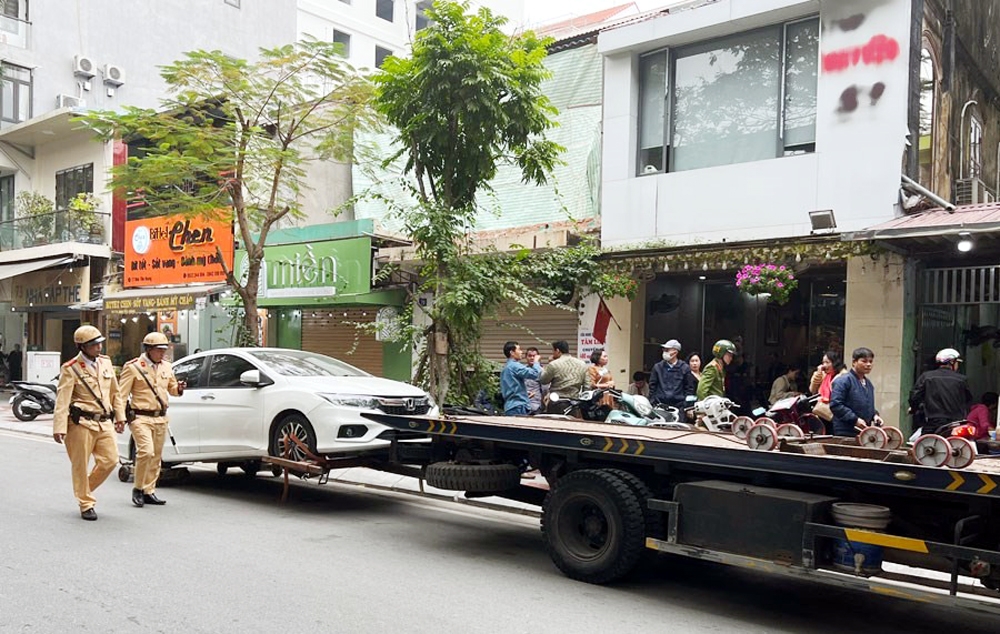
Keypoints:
pixel 332 332
pixel 538 327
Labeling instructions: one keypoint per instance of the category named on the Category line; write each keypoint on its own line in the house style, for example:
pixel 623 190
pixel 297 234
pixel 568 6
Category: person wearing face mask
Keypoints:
pixel 671 381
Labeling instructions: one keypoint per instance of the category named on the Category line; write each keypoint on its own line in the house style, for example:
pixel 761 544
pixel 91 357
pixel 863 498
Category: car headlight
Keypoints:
pixel 431 403
pixel 352 400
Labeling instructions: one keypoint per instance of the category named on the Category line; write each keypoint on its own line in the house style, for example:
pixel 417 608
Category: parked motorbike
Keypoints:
pixel 586 405
pixel 32 399
pixel 796 410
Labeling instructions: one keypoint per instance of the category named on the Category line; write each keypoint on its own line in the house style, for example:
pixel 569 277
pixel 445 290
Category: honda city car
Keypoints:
pixel 241 403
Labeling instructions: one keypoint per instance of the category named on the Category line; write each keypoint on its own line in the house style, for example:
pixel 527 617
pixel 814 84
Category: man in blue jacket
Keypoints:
pixel 853 396
pixel 671 381
pixel 515 393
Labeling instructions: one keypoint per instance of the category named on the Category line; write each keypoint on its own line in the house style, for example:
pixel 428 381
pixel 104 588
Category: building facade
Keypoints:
pixel 60 59
pixel 740 132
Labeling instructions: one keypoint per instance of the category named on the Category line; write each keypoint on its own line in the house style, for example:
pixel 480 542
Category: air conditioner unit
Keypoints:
pixel 69 101
pixel 83 66
pixel 114 75
pixel 972 191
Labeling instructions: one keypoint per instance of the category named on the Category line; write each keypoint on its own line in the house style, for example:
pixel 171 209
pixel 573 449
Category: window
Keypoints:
pixel 928 98
pixel 344 39
pixel 226 370
pixel 422 21
pixel 380 55
pixel 975 144
pixel 192 372
pixel 73 181
pixel 383 9
pixel 15 96
pixel 745 97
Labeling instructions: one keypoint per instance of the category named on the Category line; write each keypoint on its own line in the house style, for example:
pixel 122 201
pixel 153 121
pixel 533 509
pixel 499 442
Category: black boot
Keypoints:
pixel 150 498
pixel 137 497
pixel 90 515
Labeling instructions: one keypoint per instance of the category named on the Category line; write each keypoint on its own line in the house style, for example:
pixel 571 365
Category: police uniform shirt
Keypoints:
pixel 75 377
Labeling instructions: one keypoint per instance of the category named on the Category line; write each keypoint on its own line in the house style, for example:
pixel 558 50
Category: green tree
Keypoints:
pixel 234 140
pixel 467 101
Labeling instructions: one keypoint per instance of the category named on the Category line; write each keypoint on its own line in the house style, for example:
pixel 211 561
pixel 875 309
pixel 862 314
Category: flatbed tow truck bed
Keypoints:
pixel 615 490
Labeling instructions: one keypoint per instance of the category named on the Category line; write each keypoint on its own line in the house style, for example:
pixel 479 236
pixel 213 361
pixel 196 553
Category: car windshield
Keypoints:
pixel 301 363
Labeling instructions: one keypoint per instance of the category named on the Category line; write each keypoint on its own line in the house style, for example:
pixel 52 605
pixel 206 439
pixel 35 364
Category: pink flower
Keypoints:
pixel 780 285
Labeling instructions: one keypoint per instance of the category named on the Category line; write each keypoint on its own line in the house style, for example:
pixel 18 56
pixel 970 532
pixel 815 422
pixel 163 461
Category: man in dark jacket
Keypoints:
pixel 852 399
pixel 942 394
pixel 671 381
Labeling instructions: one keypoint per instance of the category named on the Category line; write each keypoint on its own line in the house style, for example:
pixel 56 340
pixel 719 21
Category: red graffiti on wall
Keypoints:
pixel 879 50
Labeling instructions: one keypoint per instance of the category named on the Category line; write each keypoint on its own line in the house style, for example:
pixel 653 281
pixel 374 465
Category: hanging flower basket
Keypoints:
pixel 773 281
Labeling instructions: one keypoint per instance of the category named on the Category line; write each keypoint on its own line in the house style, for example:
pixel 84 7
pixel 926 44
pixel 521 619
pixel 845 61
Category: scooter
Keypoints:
pixel 796 410
pixel 32 399
pixel 586 405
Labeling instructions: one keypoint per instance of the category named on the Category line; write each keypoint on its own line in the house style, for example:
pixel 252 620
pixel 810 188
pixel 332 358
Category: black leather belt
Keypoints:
pixel 150 412
pixel 99 418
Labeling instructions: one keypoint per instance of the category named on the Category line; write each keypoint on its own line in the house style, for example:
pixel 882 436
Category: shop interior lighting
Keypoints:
pixel 965 243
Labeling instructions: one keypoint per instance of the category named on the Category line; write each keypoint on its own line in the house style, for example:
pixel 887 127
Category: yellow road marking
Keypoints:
pixel 608 443
pixel 957 481
pixel 642 447
pixel 889 541
pixel 988 484
pixel 624 446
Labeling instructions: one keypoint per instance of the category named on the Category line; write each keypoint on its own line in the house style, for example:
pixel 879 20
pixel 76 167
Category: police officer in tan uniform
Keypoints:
pixel 87 401
pixel 149 381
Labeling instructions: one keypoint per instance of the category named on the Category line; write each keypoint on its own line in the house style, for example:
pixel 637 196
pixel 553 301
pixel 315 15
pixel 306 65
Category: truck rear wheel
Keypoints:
pixel 653 520
pixel 475 478
pixel 594 526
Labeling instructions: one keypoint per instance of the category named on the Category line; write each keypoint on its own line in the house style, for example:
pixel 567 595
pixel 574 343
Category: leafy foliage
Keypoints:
pixel 235 138
pixel 777 281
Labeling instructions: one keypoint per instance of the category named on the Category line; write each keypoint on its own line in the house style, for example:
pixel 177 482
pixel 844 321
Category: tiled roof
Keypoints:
pixel 973 218
pixel 581 24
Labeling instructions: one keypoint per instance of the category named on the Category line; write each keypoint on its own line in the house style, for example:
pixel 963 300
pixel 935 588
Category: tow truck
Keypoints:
pixel 822 508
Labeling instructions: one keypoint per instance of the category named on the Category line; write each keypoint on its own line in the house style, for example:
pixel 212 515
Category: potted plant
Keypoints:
pixel 82 210
pixel 35 218
pixel 774 281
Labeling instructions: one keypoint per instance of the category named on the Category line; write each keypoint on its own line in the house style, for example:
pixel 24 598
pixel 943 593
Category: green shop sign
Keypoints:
pixel 314 271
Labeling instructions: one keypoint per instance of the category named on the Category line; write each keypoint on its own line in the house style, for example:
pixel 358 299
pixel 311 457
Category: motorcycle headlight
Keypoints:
pixel 352 400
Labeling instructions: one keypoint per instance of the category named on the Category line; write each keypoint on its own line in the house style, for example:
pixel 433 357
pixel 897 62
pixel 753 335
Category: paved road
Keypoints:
pixel 225 556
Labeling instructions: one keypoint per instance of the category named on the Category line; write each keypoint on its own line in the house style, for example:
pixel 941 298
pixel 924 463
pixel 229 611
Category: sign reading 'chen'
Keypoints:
pixel 176 250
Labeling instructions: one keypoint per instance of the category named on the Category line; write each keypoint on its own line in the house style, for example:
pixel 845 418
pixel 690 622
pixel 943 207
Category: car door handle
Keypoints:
pixel 208 397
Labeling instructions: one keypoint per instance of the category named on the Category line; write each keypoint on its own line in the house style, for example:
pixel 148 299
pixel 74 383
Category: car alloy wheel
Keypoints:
pixel 298 427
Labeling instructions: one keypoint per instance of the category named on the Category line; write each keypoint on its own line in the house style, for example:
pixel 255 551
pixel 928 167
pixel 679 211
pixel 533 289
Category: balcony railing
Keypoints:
pixel 52 228
pixel 14 32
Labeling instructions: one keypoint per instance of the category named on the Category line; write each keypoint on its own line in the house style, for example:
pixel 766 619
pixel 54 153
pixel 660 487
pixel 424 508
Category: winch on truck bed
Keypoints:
pixel 615 492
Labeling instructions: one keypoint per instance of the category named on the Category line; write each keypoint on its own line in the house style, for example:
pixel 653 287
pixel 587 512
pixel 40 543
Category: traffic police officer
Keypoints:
pixel 88 399
pixel 149 381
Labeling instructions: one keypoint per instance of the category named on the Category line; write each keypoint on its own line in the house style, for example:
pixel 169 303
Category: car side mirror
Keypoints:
pixel 253 378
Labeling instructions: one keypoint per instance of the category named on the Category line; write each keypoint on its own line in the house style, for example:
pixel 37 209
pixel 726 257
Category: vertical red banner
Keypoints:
pixel 120 156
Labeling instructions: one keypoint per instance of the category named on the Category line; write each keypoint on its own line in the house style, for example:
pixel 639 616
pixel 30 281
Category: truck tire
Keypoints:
pixel 593 526
pixel 653 520
pixel 486 478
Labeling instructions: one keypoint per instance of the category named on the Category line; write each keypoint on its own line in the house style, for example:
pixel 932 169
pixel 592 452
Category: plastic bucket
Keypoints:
pixel 857 557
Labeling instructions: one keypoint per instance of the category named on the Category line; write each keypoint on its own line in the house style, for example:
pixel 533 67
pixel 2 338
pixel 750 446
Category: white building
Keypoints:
pixel 60 58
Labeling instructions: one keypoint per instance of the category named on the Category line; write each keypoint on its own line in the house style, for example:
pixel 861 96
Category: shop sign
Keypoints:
pixel 52 287
pixel 314 270
pixel 131 305
pixel 176 250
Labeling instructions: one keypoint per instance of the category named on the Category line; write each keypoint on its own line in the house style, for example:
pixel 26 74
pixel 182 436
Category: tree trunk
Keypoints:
pixel 250 326
pixel 440 374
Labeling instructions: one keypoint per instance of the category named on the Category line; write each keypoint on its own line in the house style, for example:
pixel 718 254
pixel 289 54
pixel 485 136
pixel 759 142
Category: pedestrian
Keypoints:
pixel 536 390
pixel 14 362
pixel 694 362
pixel 599 377
pixel 942 394
pixel 785 385
pixel 983 416
pixel 852 398
pixel 713 377
pixel 821 383
pixel 515 394
pixel 148 382
pixel 88 399
pixel 671 381
pixel 639 385
pixel 564 374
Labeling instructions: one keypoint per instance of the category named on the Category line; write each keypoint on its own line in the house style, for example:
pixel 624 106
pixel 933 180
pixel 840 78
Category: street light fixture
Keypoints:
pixel 965 242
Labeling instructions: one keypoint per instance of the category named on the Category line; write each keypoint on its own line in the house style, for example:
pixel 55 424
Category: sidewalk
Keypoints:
pixel 357 476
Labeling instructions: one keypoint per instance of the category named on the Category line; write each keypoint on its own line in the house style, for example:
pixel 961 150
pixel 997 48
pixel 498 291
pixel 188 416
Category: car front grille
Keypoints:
pixel 405 406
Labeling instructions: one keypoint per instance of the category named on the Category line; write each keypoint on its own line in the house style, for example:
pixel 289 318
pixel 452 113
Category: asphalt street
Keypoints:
pixel 224 555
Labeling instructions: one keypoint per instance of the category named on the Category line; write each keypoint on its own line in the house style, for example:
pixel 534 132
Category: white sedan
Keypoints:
pixel 240 403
